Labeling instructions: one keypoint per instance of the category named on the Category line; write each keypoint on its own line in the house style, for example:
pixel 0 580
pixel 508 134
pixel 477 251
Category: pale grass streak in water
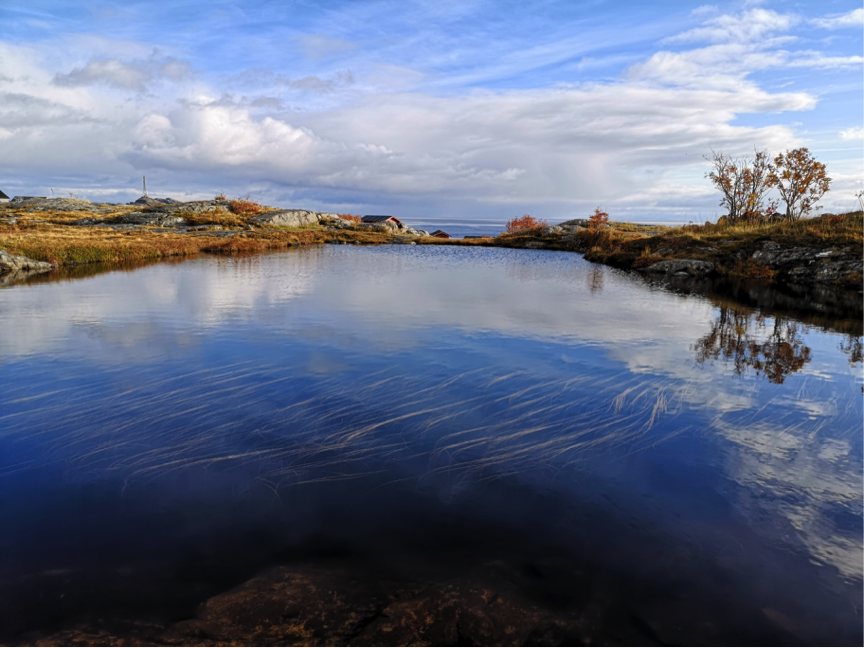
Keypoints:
pixel 286 431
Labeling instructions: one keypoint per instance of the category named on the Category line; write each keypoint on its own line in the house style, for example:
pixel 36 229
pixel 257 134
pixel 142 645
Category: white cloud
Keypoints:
pixel 704 10
pixel 134 74
pixel 109 71
pixel 820 61
pixel 175 70
pixel 852 134
pixel 854 18
pixel 749 26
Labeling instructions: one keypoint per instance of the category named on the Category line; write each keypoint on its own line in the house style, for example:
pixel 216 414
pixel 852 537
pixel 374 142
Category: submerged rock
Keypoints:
pixel 314 606
pixel 692 267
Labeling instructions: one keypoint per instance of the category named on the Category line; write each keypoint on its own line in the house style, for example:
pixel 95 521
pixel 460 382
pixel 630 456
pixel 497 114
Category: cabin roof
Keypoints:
pixel 3 196
pixel 379 219
pixel 439 233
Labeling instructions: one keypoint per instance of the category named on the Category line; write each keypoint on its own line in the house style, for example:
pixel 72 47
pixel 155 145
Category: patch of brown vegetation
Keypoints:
pixel 64 244
pixel 245 206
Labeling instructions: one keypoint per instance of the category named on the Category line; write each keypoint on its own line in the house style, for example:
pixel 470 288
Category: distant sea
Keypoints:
pixel 461 227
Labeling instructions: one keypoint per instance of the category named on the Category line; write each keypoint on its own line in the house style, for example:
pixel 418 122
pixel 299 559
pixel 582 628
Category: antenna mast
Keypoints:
pixel 145 186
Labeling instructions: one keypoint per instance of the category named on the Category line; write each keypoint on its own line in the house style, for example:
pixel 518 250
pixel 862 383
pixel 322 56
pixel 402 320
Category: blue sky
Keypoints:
pixel 484 109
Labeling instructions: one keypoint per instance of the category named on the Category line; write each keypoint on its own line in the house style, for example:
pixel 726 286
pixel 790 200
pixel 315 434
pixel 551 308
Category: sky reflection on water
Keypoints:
pixel 444 370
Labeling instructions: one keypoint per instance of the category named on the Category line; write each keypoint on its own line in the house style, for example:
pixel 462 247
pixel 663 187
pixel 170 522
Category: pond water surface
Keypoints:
pixel 690 464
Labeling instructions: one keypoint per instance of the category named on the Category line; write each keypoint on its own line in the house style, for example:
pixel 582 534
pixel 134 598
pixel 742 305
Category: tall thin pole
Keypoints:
pixel 145 186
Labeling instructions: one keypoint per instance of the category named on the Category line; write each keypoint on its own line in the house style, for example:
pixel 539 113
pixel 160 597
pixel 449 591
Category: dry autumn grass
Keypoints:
pixel 49 236
pixel 724 244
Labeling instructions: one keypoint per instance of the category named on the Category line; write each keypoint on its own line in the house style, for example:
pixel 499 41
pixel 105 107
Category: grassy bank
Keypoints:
pixel 51 236
pixel 729 248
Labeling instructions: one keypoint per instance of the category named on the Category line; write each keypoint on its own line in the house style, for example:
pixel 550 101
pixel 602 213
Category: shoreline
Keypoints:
pixel 45 234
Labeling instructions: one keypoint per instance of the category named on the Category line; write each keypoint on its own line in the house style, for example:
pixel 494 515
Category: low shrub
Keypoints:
pixel 597 220
pixel 245 206
pixel 527 222
pixel 349 217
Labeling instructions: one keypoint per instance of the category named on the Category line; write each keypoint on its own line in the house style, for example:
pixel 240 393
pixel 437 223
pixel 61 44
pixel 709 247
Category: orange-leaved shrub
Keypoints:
pixel 245 206
pixel 349 217
pixel 597 220
pixel 525 223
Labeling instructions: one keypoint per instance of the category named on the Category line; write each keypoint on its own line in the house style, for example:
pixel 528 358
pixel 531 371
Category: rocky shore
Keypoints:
pixel 14 268
pixel 39 234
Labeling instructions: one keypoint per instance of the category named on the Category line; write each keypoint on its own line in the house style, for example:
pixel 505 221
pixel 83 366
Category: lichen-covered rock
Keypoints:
pixel 11 263
pixel 139 219
pixel 194 207
pixel 809 265
pixel 288 218
pixel 693 267
pixel 332 220
pixel 552 230
pixel 147 201
pixel 773 256
pixel 158 219
pixel 385 227
pixel 410 231
pixel 574 225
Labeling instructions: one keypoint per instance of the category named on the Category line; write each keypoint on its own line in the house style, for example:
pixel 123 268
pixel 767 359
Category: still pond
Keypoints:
pixel 687 466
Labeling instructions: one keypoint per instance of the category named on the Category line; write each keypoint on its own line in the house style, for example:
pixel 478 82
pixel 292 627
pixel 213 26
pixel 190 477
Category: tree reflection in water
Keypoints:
pixel 742 338
pixel 595 279
pixel 853 347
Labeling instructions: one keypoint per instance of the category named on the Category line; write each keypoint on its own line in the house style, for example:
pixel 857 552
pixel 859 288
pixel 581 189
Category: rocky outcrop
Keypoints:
pixel 147 201
pixel 11 263
pixel 194 207
pixel 137 219
pixel 691 267
pixel 552 230
pixel 335 222
pixel 809 265
pixel 56 204
pixel 385 227
pixel 288 218
pixel 574 224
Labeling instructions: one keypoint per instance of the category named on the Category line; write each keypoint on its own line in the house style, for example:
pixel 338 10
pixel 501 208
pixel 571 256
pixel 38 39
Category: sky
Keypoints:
pixel 424 109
